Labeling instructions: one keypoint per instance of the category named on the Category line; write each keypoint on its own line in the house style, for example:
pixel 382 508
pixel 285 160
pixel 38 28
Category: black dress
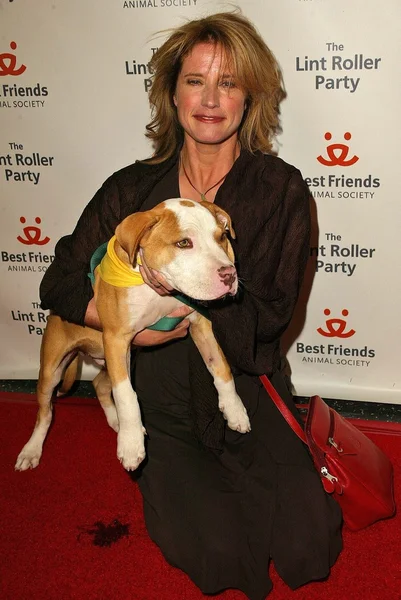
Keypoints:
pixel 218 503
pixel 221 515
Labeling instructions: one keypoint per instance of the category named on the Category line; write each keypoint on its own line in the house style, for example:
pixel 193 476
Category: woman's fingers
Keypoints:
pixel 150 337
pixel 154 279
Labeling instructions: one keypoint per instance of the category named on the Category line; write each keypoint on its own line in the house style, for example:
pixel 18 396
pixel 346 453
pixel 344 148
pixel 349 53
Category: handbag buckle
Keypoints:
pixel 324 471
pixel 329 481
pixel 335 445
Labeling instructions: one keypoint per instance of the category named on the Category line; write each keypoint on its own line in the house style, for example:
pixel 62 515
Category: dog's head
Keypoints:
pixel 188 243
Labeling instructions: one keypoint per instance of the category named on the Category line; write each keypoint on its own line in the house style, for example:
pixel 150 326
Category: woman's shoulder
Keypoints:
pixel 270 175
pixel 282 177
pixel 138 177
pixel 132 171
pixel 274 166
pixel 275 182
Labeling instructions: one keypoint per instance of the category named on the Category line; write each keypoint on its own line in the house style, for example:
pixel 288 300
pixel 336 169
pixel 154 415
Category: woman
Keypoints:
pixel 219 504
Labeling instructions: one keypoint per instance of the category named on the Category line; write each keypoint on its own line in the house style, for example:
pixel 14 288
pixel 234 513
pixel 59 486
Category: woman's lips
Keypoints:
pixel 206 119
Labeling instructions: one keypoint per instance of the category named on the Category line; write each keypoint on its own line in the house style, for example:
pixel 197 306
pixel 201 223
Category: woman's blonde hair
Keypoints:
pixel 254 67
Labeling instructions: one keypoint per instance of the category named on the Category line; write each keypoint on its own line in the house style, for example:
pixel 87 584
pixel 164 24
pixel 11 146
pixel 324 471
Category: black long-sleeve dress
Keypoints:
pixel 218 503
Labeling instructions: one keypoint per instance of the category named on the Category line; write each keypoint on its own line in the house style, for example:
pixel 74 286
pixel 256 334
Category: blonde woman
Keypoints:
pixel 219 504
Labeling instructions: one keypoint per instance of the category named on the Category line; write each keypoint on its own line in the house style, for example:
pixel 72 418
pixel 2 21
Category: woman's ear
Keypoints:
pixel 175 100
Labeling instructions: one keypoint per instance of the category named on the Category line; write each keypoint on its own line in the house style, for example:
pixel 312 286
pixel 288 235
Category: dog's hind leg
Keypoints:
pixel 102 385
pixel 52 366
pixel 31 453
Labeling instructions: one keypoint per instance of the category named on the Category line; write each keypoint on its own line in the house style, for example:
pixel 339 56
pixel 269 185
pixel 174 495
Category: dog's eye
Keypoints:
pixel 184 243
pixel 224 235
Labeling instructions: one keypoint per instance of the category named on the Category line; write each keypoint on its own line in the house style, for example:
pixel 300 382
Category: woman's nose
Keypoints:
pixel 210 96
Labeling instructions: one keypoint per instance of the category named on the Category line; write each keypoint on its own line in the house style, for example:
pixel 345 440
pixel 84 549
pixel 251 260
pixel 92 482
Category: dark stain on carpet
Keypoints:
pixel 105 535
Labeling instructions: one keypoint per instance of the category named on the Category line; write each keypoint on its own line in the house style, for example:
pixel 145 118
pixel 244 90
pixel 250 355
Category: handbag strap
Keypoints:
pixel 283 408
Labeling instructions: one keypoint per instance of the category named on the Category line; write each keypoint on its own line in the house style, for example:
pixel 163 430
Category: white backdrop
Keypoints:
pixel 73 106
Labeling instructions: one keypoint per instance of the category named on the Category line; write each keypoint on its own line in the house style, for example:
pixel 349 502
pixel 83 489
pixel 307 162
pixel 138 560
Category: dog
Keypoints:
pixel 188 243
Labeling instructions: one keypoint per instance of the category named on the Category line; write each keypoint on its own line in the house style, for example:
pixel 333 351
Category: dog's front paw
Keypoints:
pixel 239 422
pixel 236 415
pixel 131 450
pixel 28 458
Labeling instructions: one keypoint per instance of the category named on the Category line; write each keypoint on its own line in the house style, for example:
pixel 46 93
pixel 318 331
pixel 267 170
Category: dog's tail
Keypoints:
pixel 70 376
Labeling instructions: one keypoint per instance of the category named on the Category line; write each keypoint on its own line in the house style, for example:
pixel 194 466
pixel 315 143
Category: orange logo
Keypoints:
pixel 336 327
pixel 337 153
pixel 32 234
pixel 8 63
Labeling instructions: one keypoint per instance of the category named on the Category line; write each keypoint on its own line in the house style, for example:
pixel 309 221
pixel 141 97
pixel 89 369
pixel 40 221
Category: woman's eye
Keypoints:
pixel 228 83
pixel 184 244
pixel 194 81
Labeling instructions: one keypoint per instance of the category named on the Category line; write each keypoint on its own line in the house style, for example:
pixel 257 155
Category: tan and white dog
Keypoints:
pixel 187 242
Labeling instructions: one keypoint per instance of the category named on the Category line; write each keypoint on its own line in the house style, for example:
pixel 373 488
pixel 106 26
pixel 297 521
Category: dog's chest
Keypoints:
pixel 145 307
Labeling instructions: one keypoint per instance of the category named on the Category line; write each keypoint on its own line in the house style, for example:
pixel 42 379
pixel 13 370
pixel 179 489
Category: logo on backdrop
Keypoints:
pixel 331 353
pixel 336 327
pixel 160 3
pixel 337 153
pixel 336 256
pixel 8 63
pixel 341 185
pixel 28 261
pixel 32 234
pixel 335 71
pixel 13 95
pixel 22 167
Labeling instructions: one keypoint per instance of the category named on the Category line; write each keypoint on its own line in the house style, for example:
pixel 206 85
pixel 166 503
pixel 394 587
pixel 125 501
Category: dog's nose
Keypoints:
pixel 228 275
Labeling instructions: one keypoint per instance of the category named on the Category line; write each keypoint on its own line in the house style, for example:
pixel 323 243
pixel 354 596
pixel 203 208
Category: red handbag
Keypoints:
pixel 351 466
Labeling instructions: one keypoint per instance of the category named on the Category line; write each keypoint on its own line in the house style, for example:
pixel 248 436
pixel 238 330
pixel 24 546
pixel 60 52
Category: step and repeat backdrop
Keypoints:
pixel 74 78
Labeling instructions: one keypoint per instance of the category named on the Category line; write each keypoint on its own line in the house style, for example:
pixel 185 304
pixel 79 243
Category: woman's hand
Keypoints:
pixel 150 337
pixel 154 279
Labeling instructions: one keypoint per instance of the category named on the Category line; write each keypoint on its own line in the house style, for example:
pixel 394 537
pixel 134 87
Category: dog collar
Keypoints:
pixel 116 272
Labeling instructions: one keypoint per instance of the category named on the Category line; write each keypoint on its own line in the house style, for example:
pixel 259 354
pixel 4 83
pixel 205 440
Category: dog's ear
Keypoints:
pixel 133 230
pixel 221 216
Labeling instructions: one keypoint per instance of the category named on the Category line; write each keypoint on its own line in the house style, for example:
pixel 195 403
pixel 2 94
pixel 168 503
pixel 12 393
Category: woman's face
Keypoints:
pixel 210 104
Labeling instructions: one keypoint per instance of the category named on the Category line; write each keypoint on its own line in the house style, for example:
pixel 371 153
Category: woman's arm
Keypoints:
pixel 66 288
pixel 271 269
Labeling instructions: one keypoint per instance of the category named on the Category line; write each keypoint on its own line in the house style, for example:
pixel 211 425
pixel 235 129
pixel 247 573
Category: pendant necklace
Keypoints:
pixel 203 194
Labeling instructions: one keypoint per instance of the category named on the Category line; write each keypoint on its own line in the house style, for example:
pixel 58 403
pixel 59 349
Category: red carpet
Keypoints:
pixel 73 529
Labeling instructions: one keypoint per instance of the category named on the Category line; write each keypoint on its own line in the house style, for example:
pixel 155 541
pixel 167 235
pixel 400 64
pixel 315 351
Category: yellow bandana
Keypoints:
pixel 115 272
